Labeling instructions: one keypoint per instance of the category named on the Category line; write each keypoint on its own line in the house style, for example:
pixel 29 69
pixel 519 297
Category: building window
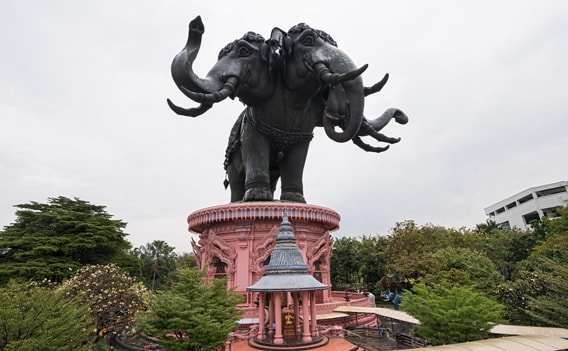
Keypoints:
pixel 531 217
pixel 511 205
pixel 504 225
pixel 550 212
pixel 500 210
pixel 524 199
pixel 546 192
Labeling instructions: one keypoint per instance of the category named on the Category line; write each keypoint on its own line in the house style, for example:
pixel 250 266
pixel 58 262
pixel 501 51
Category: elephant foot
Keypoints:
pixel 293 197
pixel 258 194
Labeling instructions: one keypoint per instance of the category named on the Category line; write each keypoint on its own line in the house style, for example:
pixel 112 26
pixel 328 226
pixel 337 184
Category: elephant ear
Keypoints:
pixel 288 44
pixel 276 43
pixel 278 35
pixel 265 52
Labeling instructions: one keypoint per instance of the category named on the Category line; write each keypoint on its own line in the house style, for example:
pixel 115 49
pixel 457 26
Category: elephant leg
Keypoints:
pixel 236 175
pixel 291 171
pixel 256 155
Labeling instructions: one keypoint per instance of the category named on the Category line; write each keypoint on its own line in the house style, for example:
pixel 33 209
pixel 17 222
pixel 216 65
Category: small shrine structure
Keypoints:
pixel 287 295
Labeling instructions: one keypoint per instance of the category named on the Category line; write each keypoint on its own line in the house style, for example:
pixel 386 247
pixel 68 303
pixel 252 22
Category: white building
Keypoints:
pixel 529 205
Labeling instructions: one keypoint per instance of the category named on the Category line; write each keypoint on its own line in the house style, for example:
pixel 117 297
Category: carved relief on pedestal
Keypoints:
pixel 197 252
pixel 320 251
pixel 243 236
pixel 261 252
pixel 319 255
pixel 220 256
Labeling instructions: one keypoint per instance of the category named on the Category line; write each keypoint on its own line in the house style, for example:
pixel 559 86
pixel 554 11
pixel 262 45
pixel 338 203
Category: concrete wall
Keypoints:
pixel 533 203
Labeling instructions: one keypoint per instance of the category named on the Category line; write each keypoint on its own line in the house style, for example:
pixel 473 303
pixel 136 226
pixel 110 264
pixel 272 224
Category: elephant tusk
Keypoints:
pixel 190 112
pixel 210 98
pixel 377 87
pixel 337 78
pixel 378 149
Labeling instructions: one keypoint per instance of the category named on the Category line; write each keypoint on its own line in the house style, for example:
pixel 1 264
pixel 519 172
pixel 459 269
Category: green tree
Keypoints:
pixel 200 314
pixel 502 247
pixel 52 240
pixel 158 263
pixel 538 290
pixel 410 249
pixel 451 313
pixel 465 267
pixel 38 318
pixel 345 263
pixel 186 260
pixel 112 295
pixel 554 246
pixel 550 306
pixel 373 261
pixel 488 227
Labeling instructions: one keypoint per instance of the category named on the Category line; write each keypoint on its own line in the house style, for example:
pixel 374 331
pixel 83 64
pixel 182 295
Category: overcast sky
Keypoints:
pixel 83 88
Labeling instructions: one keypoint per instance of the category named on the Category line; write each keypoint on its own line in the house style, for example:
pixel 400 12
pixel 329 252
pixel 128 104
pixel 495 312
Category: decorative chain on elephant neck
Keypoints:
pixel 281 138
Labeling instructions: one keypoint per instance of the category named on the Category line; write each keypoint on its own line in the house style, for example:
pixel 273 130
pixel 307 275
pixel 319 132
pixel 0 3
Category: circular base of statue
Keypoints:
pixel 236 240
pixel 289 343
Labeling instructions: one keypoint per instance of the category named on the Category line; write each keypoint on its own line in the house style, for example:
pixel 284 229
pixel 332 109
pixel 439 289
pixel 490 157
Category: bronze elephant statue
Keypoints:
pixel 291 83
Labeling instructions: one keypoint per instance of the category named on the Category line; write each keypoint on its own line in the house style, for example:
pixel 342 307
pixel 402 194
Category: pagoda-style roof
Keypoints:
pixel 286 270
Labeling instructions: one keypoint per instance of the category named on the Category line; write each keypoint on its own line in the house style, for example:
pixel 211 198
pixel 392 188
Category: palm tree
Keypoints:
pixel 158 263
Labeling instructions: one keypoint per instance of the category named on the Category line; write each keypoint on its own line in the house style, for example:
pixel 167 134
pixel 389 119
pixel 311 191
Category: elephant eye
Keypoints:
pixel 308 41
pixel 244 52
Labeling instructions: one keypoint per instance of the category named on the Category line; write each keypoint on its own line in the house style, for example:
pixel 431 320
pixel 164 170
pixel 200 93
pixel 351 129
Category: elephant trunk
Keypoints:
pixel 182 70
pixel 390 113
pixel 344 105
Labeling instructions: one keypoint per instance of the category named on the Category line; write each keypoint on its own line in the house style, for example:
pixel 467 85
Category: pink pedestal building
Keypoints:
pixel 236 240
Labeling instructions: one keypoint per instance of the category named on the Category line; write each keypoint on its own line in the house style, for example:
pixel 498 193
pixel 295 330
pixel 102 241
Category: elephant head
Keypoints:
pixel 244 69
pixel 313 60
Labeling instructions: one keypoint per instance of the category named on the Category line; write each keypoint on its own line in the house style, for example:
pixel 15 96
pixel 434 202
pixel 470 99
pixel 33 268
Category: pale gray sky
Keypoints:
pixel 83 86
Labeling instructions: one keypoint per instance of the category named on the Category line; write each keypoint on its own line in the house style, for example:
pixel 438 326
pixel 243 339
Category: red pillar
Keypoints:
pixel 306 337
pixel 296 297
pixel 261 316
pixel 313 314
pixel 271 313
pixel 278 318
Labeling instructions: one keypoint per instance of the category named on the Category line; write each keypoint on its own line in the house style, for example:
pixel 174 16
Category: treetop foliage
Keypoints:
pixel 52 240
pixel 465 267
pixel 39 318
pixel 451 313
pixel 200 314
pixel 158 263
pixel 524 270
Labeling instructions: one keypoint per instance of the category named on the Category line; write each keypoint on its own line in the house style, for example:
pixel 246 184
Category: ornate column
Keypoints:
pixel 306 337
pixel 261 316
pixel 296 297
pixel 270 313
pixel 278 318
pixel 314 322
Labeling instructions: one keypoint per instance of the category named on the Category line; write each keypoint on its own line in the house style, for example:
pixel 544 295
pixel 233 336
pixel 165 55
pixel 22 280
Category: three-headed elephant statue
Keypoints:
pixel 291 83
